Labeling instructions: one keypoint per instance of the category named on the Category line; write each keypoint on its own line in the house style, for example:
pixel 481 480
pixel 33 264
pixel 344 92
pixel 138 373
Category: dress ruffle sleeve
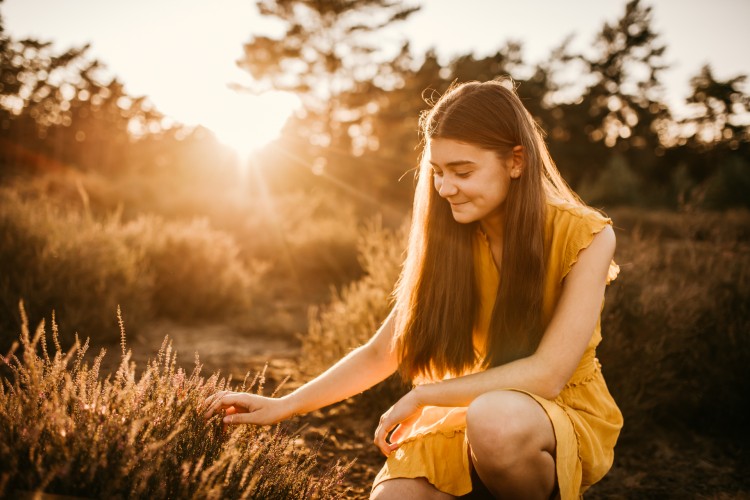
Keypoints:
pixel 583 225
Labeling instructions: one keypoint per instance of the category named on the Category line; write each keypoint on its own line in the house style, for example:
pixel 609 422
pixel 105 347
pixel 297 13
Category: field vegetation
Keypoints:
pixel 109 212
pixel 70 430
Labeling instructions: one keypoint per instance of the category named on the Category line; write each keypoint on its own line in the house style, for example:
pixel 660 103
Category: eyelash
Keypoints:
pixel 462 175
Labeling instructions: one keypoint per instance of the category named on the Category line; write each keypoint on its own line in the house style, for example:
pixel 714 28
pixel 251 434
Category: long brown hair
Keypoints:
pixel 437 294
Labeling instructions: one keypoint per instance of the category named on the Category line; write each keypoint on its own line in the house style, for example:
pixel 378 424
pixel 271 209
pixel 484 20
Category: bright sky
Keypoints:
pixel 181 53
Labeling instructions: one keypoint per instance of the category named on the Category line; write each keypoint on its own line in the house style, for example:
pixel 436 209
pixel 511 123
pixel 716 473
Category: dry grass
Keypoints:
pixel 83 268
pixel 69 431
pixel 677 320
pixel 355 312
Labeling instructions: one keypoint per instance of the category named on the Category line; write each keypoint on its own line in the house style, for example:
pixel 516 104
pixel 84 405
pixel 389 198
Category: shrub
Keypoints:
pixel 83 268
pixel 196 272
pixel 311 239
pixel 66 431
pixel 676 320
pixel 67 262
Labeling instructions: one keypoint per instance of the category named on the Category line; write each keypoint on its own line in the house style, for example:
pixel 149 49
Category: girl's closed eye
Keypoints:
pixel 463 175
pixel 437 173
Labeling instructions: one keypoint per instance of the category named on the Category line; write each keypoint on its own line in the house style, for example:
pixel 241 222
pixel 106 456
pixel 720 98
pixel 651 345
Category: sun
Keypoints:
pixel 246 122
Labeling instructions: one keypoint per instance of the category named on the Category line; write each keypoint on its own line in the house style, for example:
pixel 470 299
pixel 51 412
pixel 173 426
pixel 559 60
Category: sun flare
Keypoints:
pixel 247 122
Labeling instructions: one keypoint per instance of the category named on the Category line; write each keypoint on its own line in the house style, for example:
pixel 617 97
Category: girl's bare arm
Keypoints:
pixel 359 370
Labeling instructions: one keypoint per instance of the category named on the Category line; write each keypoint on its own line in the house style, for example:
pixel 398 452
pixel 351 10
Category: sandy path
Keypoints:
pixel 220 347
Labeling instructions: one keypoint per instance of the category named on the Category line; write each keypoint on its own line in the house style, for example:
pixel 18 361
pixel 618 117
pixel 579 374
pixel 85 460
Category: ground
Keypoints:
pixel 665 462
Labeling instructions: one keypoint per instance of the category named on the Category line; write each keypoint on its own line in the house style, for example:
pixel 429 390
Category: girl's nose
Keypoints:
pixel 447 188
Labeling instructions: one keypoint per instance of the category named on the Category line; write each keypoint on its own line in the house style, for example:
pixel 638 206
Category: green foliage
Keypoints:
pixel 612 110
pixel 326 46
pixel 59 108
pixel 67 431
pixel 334 57
pixel 718 107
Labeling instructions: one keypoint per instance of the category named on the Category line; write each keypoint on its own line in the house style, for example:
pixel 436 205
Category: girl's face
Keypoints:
pixel 473 180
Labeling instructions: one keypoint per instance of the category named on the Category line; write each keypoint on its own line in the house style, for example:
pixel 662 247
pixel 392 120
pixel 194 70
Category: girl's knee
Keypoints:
pixel 490 409
pixel 504 424
pixel 418 488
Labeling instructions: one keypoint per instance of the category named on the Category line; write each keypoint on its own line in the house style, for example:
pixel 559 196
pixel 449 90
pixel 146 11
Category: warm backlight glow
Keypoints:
pixel 246 122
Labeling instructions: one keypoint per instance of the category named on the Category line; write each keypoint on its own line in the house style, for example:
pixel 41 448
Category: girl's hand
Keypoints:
pixel 245 408
pixel 400 417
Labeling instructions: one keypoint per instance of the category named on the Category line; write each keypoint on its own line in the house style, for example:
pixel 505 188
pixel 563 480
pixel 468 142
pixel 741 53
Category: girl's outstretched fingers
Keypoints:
pixel 245 408
pixel 214 403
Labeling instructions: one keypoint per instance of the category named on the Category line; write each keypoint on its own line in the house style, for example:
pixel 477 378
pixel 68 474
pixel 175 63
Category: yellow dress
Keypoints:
pixel 584 416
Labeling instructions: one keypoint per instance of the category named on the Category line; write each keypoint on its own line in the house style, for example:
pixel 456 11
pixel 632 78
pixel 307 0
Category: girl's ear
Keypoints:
pixel 516 162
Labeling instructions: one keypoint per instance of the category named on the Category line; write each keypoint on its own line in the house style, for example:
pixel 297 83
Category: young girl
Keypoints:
pixel 496 321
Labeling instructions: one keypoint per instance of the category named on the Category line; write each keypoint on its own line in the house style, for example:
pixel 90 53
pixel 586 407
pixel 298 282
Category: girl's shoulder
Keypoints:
pixel 566 219
pixel 561 212
pixel 570 228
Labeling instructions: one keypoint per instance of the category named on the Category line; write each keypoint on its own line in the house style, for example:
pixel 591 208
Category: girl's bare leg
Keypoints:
pixel 401 488
pixel 512 445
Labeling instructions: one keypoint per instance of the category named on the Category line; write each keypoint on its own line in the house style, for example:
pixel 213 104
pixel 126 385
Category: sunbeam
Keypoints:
pixel 269 207
pixel 383 206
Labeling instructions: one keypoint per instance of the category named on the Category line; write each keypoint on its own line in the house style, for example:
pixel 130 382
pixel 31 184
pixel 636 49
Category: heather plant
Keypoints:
pixel 69 431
